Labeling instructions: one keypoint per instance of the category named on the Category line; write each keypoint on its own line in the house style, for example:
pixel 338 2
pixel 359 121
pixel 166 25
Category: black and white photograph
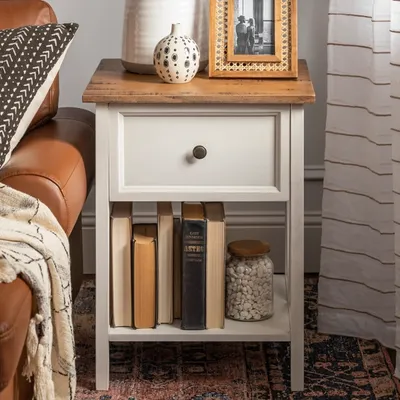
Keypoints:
pixel 254 27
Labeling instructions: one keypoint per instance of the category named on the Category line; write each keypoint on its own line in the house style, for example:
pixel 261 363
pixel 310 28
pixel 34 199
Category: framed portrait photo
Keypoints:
pixel 253 39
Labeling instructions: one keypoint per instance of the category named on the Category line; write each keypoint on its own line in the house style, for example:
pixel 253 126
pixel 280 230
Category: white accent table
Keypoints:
pixel 253 131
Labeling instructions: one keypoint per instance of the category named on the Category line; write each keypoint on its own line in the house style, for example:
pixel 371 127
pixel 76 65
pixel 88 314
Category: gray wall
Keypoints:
pixel 100 36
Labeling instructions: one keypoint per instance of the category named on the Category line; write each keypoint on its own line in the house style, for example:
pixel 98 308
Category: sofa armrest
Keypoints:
pixel 55 163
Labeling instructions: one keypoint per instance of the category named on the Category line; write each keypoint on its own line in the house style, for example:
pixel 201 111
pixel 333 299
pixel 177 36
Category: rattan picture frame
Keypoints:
pixel 224 63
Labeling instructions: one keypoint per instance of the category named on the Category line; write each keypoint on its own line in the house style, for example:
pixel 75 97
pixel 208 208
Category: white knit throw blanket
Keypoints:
pixel 34 246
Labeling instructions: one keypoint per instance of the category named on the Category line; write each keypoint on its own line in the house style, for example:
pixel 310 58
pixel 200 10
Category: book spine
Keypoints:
pixel 177 262
pixel 132 244
pixel 194 274
pixel 140 294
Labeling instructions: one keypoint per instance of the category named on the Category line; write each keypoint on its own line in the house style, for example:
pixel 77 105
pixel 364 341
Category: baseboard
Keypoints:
pixel 314 172
pixel 264 225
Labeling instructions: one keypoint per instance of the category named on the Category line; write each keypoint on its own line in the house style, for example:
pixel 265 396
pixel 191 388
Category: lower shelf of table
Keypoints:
pixel 277 328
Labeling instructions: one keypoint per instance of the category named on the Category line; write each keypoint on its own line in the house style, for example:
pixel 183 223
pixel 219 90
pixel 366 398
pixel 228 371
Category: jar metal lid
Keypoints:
pixel 248 248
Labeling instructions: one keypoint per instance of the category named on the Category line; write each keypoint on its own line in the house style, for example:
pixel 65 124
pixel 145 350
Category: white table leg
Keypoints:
pixel 288 217
pixel 102 248
pixel 295 238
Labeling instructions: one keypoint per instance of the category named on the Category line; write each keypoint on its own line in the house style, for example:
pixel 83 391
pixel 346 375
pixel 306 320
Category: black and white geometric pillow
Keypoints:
pixel 30 58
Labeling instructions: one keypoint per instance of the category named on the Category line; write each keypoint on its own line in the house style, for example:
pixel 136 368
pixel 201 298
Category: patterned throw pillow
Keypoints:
pixel 30 58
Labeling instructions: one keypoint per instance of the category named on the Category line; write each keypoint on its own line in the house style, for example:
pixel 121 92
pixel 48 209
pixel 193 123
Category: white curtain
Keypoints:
pixel 359 288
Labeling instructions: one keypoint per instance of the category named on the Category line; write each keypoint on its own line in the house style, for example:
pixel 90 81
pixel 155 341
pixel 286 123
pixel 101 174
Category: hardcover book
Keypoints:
pixel 193 266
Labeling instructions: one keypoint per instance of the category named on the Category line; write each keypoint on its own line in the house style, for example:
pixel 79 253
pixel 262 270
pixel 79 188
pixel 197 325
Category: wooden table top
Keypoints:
pixel 112 84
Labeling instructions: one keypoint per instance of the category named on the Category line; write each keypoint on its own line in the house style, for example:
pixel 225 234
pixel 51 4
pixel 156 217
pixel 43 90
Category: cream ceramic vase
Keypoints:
pixel 147 21
pixel 176 57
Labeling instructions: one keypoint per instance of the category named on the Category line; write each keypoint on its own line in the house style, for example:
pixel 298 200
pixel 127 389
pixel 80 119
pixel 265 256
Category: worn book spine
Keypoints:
pixel 177 268
pixel 194 274
pixel 144 283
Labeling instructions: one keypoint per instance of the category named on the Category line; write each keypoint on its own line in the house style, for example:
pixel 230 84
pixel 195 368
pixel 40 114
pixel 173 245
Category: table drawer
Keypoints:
pixel 152 154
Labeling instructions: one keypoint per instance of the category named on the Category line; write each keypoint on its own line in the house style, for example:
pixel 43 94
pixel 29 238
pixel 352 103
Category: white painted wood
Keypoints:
pixel 102 247
pixel 276 328
pixel 164 145
pixel 287 246
pixel 192 193
pixel 273 157
pixel 162 139
pixel 295 252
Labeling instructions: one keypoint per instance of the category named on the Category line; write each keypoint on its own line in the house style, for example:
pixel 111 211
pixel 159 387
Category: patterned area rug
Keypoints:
pixel 336 367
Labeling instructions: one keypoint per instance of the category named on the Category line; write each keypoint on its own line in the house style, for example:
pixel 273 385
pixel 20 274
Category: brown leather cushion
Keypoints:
pixel 55 163
pixel 16 13
pixel 16 301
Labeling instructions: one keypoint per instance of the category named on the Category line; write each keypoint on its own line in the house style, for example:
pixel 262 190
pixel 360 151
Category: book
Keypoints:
pixel 193 266
pixel 165 279
pixel 144 256
pixel 121 282
pixel 177 268
pixel 215 265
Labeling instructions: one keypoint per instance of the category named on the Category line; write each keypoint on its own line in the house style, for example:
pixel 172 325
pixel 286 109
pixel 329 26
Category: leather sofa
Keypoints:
pixel 55 163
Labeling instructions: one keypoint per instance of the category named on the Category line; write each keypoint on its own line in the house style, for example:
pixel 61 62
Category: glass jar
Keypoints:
pixel 249 281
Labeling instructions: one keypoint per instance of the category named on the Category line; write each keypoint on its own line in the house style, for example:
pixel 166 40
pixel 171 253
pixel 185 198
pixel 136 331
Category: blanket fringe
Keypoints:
pixel 7 274
pixel 43 384
pixel 32 344
pixel 36 358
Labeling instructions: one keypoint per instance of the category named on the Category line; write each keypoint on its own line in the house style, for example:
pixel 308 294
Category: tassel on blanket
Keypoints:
pixel 32 344
pixel 36 359
pixel 43 384
pixel 7 274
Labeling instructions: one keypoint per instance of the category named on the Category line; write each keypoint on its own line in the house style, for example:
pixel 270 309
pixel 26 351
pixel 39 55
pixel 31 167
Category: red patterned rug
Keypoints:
pixel 336 367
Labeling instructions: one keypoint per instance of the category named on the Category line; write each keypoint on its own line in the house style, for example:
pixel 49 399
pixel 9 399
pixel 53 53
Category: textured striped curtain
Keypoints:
pixel 359 287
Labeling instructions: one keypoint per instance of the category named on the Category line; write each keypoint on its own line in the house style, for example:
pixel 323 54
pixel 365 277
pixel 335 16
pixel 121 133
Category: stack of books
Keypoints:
pixel 172 269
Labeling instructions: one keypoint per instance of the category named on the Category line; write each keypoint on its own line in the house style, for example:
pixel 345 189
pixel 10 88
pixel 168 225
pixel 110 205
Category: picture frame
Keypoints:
pixel 253 39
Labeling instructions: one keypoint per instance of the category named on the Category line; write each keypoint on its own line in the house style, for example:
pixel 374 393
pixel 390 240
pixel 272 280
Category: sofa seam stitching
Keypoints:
pixel 73 119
